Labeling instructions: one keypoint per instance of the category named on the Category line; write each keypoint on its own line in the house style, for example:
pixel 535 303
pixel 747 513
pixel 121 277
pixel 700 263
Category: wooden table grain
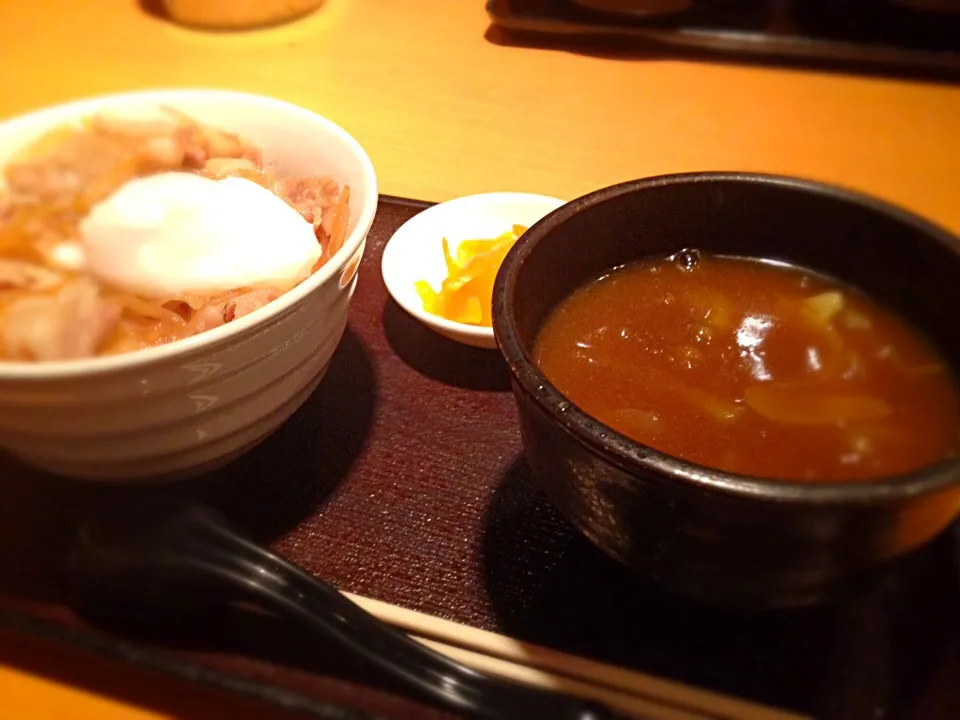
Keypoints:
pixel 447 106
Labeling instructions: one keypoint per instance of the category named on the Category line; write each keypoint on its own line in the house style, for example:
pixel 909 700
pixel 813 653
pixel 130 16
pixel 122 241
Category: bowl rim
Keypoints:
pixel 21 371
pixel 628 454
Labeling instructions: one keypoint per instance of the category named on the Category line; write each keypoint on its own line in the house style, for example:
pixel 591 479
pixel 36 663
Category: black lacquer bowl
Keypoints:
pixel 707 534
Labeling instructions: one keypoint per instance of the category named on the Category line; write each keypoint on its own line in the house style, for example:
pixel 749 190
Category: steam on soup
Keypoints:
pixel 752 368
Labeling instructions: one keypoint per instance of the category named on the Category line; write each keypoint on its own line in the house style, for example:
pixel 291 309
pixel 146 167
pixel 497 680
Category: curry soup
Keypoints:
pixel 754 368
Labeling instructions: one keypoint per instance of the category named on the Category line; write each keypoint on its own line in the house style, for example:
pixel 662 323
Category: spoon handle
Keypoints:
pixel 202 545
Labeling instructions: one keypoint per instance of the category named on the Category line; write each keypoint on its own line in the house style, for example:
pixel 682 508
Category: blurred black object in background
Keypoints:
pixel 901 37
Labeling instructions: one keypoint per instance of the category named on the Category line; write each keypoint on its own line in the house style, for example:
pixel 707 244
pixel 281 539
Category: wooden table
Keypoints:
pixel 445 106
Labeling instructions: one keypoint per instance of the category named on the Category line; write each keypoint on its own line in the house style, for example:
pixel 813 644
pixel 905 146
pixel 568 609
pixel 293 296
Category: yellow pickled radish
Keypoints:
pixel 466 294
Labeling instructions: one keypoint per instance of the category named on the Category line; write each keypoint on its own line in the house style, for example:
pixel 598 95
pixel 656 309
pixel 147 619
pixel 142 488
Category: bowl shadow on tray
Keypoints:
pixel 263 494
pixel 440 358
pixel 548 585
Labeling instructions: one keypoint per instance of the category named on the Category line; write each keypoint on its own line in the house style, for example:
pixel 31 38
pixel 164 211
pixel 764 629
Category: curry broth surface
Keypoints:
pixel 752 368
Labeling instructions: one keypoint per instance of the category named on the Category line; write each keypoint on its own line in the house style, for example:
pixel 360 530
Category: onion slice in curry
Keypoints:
pixel 800 405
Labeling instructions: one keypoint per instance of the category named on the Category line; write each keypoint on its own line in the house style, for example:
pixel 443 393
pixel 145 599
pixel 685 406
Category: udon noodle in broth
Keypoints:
pixel 51 309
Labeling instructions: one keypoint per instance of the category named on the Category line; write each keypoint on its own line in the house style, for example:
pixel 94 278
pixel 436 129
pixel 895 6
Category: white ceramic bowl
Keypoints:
pixel 182 408
pixel 415 251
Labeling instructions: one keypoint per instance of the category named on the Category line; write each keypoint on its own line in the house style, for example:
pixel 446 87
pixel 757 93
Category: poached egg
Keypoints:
pixel 177 232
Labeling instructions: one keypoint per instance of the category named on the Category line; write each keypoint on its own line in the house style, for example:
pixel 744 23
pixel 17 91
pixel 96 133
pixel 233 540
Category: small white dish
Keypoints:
pixel 415 252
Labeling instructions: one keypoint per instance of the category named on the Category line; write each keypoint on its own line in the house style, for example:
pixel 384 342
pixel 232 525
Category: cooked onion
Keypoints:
pixel 798 405
pixel 48 186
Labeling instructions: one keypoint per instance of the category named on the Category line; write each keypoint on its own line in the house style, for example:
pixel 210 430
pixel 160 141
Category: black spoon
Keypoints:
pixel 168 559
